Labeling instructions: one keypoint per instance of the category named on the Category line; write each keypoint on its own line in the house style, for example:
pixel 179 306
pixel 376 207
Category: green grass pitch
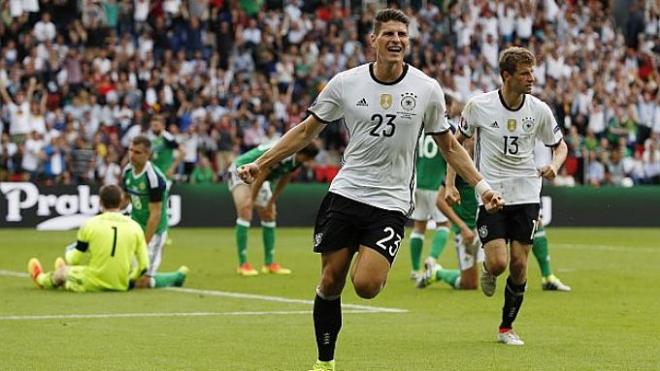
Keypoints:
pixel 609 321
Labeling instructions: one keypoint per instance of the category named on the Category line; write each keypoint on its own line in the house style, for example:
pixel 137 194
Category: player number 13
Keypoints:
pixel 510 145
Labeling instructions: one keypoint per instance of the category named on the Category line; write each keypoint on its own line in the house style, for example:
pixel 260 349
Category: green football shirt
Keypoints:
pixel 162 150
pixel 112 240
pixel 431 166
pixel 148 186
pixel 284 167
pixel 467 209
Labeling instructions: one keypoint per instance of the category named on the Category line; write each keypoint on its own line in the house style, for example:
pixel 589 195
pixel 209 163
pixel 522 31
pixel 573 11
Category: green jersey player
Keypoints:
pixel 165 151
pixel 260 196
pixel 146 188
pixel 463 216
pixel 430 167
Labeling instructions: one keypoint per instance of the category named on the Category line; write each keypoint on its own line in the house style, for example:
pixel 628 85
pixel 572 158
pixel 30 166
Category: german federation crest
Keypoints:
pixel 408 101
pixel 483 231
pixel 386 101
pixel 528 124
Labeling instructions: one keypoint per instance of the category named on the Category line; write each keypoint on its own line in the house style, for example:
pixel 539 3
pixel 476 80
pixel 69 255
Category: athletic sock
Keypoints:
pixel 45 280
pixel 327 323
pixel 540 250
pixel 439 242
pixel 268 235
pixel 242 227
pixel 166 279
pixel 448 276
pixel 513 298
pixel 416 245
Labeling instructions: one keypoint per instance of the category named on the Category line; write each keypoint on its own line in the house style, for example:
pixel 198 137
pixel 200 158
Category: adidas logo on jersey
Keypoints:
pixel 494 125
pixel 362 103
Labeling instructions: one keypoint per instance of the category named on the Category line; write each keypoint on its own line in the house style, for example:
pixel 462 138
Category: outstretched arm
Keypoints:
pixel 293 141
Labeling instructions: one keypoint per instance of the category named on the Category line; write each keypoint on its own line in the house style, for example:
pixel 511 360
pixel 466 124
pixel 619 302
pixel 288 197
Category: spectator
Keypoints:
pixel 203 173
pixel 596 169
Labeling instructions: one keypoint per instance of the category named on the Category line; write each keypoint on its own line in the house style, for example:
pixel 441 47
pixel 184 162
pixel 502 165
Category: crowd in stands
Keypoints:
pixel 80 78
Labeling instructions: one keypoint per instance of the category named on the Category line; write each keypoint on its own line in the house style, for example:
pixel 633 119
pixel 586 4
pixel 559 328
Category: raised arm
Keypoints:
pixel 3 92
pixel 31 87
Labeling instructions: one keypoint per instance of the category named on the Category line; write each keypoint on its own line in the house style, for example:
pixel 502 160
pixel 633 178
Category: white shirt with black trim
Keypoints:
pixel 505 140
pixel 384 121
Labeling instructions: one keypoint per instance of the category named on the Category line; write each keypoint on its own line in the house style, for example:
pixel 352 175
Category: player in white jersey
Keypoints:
pixel 506 124
pixel 386 106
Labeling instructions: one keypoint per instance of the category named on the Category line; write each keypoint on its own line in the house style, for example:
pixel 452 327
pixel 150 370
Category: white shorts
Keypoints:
pixel 425 208
pixel 155 252
pixel 466 253
pixel 264 193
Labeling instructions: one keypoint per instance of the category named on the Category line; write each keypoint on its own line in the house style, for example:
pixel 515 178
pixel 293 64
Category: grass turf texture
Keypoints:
pixel 609 321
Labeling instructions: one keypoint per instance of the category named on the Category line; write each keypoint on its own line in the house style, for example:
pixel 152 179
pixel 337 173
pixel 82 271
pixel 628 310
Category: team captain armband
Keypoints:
pixel 482 187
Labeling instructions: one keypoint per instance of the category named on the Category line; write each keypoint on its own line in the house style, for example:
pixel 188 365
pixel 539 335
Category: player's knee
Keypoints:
pixel 367 289
pixel 331 284
pixel 496 265
pixel 518 267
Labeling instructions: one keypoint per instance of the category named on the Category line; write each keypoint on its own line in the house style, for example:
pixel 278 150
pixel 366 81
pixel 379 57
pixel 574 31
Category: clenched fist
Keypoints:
pixel 248 172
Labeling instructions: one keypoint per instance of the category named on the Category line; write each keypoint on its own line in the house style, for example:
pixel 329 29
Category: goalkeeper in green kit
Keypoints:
pixel 116 249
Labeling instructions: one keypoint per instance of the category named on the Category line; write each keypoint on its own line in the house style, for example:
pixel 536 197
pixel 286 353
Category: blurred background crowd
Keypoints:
pixel 80 78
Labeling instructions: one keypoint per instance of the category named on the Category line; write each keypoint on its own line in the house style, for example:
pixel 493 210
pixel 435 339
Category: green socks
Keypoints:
pixel 416 244
pixel 168 279
pixel 242 227
pixel 439 242
pixel 540 250
pixel 449 276
pixel 45 280
pixel 268 234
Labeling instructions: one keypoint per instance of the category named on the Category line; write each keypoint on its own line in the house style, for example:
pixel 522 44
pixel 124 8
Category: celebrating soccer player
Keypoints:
pixel 506 123
pixel 386 106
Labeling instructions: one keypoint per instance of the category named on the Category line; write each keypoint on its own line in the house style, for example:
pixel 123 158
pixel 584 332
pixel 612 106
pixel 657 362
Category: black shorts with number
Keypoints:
pixel 513 223
pixel 342 222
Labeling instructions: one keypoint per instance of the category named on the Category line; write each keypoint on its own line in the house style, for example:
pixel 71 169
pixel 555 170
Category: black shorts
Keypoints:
pixel 513 223
pixel 342 222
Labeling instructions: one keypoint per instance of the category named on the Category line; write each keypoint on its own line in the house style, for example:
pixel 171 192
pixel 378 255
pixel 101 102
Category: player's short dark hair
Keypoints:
pixel 110 196
pixel 311 150
pixel 389 14
pixel 511 57
pixel 142 140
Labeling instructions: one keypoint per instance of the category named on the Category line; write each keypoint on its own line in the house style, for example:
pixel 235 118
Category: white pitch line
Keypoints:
pixel 180 314
pixel 13 274
pixel 606 247
pixel 239 295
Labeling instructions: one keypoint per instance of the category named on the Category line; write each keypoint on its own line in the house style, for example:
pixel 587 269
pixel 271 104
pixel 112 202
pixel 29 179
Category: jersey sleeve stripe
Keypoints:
pixel 152 177
pixel 464 133
pixel 317 117
pixel 439 132
pixel 556 144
